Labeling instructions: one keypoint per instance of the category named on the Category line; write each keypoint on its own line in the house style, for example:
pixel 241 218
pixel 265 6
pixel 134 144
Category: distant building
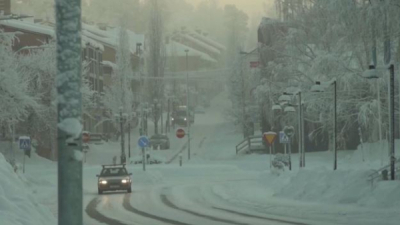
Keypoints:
pixel 5 7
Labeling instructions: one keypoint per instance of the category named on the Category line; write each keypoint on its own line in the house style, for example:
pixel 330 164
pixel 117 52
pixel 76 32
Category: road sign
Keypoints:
pixel 143 142
pixel 270 137
pixel 289 131
pixel 283 138
pixel 180 133
pixel 24 143
pixel 85 137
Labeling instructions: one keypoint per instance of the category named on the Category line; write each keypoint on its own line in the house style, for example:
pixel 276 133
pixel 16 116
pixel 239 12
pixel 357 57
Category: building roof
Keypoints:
pixel 174 48
pixel 110 36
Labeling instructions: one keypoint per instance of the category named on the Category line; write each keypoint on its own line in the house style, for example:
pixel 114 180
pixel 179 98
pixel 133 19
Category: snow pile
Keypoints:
pixel 339 187
pixel 17 206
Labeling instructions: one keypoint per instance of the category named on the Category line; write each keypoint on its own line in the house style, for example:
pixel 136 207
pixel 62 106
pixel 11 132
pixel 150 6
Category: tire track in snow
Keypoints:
pixel 177 154
pixel 168 203
pixel 127 205
pixel 92 212
pixel 258 217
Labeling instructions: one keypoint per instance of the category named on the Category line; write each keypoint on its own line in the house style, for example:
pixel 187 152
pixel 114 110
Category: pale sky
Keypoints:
pixel 251 7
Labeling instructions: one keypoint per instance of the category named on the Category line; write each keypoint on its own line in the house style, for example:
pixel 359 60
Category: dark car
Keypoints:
pixel 159 141
pixel 180 117
pixel 114 178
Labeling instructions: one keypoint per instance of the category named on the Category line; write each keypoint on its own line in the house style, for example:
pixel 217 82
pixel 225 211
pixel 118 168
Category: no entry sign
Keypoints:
pixel 180 133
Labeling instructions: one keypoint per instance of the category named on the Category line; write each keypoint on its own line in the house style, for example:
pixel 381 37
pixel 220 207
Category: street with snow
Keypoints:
pixel 215 187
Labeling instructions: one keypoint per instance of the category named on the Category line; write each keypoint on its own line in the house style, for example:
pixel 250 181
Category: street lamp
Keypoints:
pixel 187 101
pixel 372 73
pixel 300 124
pixel 121 119
pixel 320 87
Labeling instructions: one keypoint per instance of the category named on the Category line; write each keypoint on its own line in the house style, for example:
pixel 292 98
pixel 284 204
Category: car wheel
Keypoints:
pixel 130 190
pixel 100 192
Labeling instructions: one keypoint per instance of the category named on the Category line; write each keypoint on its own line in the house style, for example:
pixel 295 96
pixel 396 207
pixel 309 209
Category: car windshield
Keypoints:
pixel 106 172
pixel 181 113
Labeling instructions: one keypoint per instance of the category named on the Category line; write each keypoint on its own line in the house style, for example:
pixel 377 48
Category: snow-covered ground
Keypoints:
pixel 216 186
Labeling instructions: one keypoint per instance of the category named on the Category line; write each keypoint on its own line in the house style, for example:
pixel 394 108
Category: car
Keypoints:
pixel 159 141
pixel 114 178
pixel 179 117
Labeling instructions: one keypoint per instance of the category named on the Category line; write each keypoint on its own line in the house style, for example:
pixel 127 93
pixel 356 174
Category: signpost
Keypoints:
pixel 180 133
pixel 85 137
pixel 25 145
pixel 289 131
pixel 270 138
pixel 143 143
pixel 283 139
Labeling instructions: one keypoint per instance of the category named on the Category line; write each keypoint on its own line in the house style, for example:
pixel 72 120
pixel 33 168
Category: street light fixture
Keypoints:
pixel 277 108
pixel 289 109
pixel 320 87
pixel 284 98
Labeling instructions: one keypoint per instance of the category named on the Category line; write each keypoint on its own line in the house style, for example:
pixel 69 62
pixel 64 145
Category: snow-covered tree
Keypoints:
pixel 120 94
pixel 155 59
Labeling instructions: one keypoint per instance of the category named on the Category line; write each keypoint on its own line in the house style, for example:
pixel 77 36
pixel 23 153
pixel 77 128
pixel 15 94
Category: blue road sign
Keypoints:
pixel 24 143
pixel 143 142
pixel 283 138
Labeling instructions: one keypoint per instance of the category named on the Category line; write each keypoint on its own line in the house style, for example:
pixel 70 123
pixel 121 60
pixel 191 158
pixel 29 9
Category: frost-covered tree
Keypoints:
pixel 155 59
pixel 325 40
pixel 120 93
pixel 15 96
pixel 39 67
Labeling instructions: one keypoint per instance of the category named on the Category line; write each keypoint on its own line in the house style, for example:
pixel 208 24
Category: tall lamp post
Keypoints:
pixel 187 101
pixel 121 119
pixel 300 127
pixel 320 87
pixel 372 74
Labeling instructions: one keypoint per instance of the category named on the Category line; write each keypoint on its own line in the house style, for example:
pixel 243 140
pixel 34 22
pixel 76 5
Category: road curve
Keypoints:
pixel 91 211
pixel 127 205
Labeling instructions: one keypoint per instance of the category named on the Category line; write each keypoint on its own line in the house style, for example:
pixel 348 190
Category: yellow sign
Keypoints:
pixel 270 137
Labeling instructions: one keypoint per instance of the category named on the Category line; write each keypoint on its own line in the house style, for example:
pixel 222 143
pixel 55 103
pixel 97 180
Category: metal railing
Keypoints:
pixel 251 143
pixel 378 174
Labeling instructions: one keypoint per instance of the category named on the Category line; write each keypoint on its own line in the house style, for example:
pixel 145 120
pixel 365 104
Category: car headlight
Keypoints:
pixel 103 182
pixel 124 181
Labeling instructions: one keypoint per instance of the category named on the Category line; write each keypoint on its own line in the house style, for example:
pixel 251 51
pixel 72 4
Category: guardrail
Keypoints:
pixel 251 143
pixel 378 173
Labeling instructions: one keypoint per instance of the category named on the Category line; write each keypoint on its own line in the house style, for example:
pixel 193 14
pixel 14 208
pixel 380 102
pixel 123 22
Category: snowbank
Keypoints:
pixel 17 205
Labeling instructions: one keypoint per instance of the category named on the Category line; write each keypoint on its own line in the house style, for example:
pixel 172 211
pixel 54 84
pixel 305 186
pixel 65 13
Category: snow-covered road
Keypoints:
pixel 217 187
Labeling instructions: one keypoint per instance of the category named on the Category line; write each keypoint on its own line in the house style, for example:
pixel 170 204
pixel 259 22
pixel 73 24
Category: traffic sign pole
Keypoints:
pixel 143 160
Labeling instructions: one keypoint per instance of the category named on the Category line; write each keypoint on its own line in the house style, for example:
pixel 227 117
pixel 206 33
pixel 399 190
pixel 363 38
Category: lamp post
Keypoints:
pixel 187 101
pixel 372 74
pixel 121 123
pixel 243 96
pixel 320 87
pixel 300 127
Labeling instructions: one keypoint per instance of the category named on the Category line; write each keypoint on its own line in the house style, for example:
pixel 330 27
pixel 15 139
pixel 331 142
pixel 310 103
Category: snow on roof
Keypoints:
pixel 200 43
pixel 30 26
pixel 177 49
pixel 111 35
pixel 209 41
pixel 109 64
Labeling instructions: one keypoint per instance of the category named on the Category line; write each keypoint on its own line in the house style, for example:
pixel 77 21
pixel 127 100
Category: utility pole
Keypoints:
pixel 121 123
pixel 187 101
pixel 69 109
